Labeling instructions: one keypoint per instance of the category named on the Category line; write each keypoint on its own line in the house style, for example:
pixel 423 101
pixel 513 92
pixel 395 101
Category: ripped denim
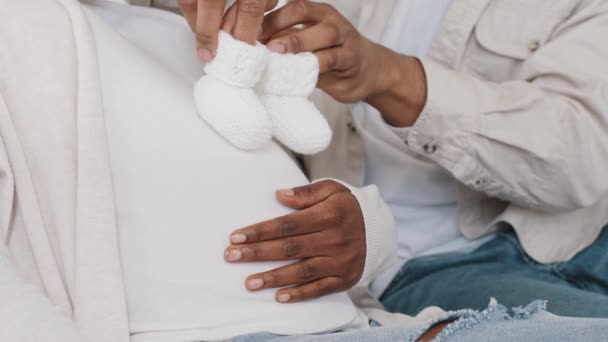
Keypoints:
pixel 494 324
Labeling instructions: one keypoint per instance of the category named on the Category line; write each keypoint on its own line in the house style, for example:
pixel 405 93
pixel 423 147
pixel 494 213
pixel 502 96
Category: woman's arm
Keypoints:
pixel 343 236
pixel 380 232
pixel 539 141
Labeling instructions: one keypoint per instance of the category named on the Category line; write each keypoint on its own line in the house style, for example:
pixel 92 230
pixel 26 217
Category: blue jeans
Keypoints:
pixel 494 324
pixel 502 270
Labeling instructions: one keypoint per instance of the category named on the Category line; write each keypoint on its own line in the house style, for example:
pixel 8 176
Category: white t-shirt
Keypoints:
pixel 180 189
pixel 421 195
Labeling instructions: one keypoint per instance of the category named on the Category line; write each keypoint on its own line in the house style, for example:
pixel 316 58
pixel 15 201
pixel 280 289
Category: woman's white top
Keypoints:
pixel 180 189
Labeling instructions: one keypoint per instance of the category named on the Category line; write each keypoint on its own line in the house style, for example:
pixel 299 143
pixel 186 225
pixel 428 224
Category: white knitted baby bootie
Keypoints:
pixel 225 97
pixel 284 89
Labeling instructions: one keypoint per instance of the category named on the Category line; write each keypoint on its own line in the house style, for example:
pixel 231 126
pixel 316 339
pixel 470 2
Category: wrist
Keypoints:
pixel 387 72
pixel 400 91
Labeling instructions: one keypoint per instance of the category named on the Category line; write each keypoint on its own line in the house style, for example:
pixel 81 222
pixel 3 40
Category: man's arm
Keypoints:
pixel 540 141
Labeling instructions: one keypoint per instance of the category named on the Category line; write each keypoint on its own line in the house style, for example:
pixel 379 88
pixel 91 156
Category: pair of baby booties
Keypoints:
pixel 250 94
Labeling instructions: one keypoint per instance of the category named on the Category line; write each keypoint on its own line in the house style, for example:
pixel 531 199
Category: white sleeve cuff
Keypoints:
pixel 380 231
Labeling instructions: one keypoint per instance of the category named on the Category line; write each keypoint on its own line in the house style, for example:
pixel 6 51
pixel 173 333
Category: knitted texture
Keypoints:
pixel 225 97
pixel 284 90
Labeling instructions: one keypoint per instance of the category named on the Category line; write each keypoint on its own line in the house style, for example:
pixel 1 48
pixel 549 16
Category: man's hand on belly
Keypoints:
pixel 326 235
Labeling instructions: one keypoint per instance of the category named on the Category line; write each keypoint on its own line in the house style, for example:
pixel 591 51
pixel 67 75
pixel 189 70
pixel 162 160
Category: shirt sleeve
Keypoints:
pixel 380 232
pixel 540 141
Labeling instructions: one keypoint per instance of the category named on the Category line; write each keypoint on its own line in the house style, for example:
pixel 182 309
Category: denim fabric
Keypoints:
pixel 494 324
pixel 538 327
pixel 501 269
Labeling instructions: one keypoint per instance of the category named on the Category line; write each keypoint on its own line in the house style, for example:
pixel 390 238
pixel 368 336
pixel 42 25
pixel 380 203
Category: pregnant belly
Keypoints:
pixel 180 189
pixel 174 225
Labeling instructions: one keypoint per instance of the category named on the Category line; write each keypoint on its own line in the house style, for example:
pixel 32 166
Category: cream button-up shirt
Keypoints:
pixel 517 113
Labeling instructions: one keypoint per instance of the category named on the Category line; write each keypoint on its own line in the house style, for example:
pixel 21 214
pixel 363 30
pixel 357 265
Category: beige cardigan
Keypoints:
pixel 55 182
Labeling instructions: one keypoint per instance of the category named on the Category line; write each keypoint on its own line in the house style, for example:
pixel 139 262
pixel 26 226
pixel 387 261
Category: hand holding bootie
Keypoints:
pixel 284 90
pixel 225 97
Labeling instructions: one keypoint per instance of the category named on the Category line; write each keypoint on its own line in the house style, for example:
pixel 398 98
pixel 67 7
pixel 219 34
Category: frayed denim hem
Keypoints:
pixel 468 319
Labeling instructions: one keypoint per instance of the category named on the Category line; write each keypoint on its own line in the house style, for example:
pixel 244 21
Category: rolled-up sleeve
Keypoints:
pixel 540 141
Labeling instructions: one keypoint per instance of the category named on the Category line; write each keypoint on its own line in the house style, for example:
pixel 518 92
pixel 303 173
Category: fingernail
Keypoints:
pixel 234 255
pixel 284 297
pixel 238 238
pixel 255 283
pixel 277 47
pixel 205 55
pixel 287 192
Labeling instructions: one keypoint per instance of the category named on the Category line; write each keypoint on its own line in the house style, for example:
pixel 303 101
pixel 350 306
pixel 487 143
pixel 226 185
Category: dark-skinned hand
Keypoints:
pixel 206 17
pixel 352 68
pixel 325 237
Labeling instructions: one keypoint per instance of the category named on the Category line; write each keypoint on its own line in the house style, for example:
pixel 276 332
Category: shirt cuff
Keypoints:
pixel 402 132
pixel 441 132
pixel 380 232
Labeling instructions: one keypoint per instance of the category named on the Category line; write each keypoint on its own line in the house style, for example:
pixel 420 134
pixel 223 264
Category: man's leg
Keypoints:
pixel 499 269
pixel 588 270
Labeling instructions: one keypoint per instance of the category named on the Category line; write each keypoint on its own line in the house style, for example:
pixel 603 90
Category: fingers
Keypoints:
pixel 293 13
pixel 271 4
pixel 230 19
pixel 334 60
pixel 284 33
pixel 312 290
pixel 322 36
pixel 298 273
pixel 189 9
pixel 206 18
pixel 250 14
pixel 299 223
pixel 209 18
pixel 297 247
pixel 309 195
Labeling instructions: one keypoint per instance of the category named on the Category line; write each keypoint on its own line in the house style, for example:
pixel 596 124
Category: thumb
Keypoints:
pixel 307 196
